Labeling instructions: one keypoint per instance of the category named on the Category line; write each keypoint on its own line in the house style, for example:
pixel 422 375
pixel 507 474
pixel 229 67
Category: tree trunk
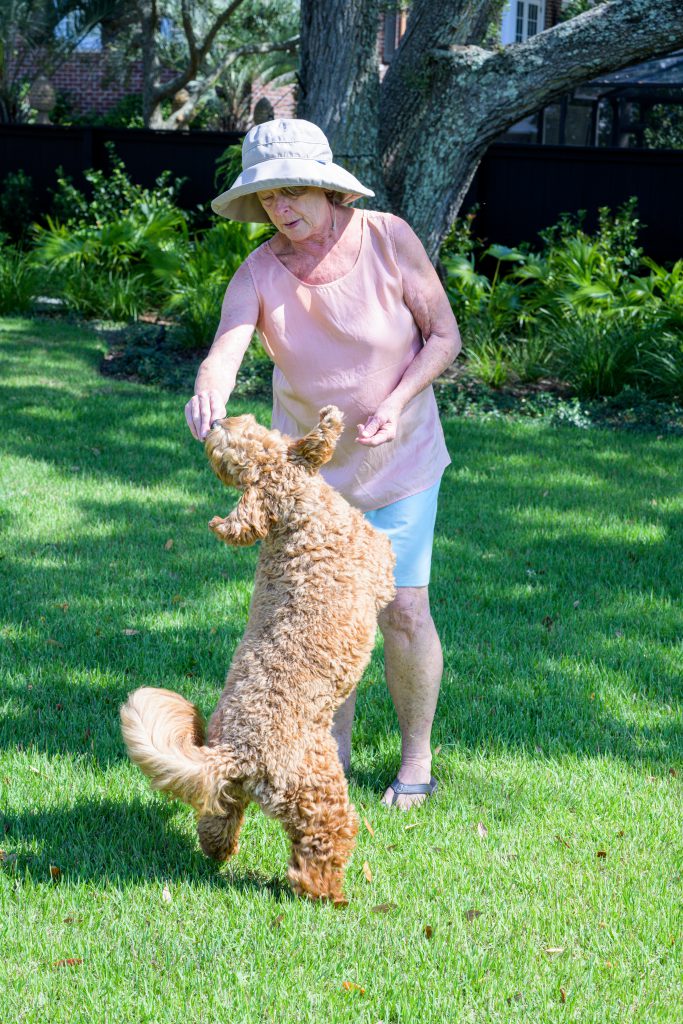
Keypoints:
pixel 417 138
pixel 339 83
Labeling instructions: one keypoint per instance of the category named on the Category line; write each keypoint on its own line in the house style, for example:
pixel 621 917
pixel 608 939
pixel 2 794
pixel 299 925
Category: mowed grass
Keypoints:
pixel 545 881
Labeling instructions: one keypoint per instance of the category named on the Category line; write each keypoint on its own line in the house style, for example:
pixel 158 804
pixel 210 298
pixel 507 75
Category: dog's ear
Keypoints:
pixel 247 523
pixel 316 448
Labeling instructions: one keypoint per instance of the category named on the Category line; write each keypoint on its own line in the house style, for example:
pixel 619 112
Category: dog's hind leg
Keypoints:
pixel 218 833
pixel 321 824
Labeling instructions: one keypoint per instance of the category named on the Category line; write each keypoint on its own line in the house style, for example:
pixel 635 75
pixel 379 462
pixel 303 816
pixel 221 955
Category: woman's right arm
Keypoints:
pixel 217 373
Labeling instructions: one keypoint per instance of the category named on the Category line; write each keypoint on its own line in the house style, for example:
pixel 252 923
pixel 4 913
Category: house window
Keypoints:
pixel 519 27
pixel 532 20
pixel 521 20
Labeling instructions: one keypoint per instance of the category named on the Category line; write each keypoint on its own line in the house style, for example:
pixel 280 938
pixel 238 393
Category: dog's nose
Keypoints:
pixel 216 423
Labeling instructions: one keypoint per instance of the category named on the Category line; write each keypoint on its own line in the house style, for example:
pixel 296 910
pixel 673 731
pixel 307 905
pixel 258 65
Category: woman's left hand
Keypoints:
pixel 380 427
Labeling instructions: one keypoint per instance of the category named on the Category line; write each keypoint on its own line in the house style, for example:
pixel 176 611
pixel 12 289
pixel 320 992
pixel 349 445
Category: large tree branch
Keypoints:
pixel 197 52
pixel 451 104
pixel 184 113
pixel 527 76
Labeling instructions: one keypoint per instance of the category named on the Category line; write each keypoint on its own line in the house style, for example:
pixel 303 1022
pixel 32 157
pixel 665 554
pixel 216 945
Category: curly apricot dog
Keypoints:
pixel 323 575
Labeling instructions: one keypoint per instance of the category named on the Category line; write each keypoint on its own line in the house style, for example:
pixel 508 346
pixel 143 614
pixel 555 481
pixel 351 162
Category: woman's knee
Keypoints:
pixel 408 613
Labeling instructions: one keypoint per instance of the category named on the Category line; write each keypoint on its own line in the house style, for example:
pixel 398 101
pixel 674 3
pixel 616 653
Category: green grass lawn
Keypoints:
pixel 545 881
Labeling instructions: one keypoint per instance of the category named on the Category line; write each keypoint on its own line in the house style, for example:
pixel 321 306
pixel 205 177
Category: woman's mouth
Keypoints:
pixel 292 223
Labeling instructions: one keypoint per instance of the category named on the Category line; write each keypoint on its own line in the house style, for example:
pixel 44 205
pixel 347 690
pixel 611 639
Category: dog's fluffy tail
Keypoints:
pixel 164 735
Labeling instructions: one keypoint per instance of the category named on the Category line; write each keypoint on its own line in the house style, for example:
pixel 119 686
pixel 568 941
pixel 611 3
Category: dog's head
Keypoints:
pixel 244 454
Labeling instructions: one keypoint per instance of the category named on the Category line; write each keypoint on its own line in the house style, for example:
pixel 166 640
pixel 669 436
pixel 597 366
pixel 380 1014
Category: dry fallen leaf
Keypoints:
pixel 429 931
pixel 554 950
pixel 369 827
pixel 131 632
pixel 482 830
pixel 350 986
pixel 366 871
pixel 383 908
pixel 437 750
pixel 7 858
pixel 34 770
pixel 71 961
pixel 414 825
pixel 277 921
pixel 64 606
pixel 563 996
pixel 53 643
pixel 166 895
pixel 168 545
pixel 602 854
pixel 55 872
pixel 392 846
pixel 470 915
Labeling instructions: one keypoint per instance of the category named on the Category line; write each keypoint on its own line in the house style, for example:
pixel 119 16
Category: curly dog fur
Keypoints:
pixel 322 577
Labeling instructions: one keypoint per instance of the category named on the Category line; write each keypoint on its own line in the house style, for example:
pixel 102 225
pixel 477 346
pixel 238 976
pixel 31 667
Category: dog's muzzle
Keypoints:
pixel 216 423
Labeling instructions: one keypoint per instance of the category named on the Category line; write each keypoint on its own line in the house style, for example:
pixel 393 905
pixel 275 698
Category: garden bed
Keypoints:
pixel 148 353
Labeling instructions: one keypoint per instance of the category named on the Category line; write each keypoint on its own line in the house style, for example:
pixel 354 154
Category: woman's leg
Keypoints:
pixel 414 666
pixel 342 724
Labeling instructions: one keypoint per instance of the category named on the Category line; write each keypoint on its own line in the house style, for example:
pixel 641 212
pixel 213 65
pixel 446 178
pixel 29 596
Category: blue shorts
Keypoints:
pixel 409 525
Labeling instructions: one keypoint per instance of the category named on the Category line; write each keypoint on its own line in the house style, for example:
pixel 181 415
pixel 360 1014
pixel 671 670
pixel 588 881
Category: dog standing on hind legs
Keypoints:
pixel 323 575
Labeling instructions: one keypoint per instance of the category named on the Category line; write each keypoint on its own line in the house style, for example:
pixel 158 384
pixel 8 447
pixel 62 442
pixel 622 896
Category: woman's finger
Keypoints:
pixel 385 433
pixel 191 415
pixel 205 414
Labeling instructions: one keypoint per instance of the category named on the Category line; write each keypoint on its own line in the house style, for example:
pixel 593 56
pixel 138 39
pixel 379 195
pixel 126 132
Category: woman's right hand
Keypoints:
pixel 202 409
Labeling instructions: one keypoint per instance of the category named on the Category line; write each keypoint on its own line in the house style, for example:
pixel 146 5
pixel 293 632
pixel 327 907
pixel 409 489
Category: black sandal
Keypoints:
pixel 401 788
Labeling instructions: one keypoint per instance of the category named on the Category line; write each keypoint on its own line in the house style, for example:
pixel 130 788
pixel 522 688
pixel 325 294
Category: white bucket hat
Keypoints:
pixel 278 154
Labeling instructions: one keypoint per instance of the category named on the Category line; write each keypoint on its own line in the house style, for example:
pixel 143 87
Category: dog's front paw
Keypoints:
pixel 221 527
pixel 331 416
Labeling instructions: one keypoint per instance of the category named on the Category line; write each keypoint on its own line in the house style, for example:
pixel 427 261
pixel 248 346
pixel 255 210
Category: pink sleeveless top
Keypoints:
pixel 348 343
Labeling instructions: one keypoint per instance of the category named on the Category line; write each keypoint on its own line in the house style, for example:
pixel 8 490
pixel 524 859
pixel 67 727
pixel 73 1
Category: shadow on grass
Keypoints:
pixel 518 543
pixel 122 841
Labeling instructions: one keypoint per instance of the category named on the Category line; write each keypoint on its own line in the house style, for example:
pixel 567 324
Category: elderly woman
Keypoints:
pixel 349 308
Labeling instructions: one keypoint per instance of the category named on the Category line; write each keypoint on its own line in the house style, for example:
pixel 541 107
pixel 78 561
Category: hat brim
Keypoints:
pixel 240 202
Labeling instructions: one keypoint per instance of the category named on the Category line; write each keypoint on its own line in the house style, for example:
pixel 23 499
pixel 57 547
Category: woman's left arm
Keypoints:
pixel 426 299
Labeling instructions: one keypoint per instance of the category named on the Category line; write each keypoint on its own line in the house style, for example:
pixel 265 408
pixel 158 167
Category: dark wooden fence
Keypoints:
pixel 519 188
pixel 524 188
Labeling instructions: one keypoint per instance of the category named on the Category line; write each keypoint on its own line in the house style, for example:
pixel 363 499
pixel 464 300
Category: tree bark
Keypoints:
pixel 444 98
pixel 339 83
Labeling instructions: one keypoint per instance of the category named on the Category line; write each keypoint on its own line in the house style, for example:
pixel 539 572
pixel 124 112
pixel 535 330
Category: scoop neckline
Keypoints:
pixel 337 280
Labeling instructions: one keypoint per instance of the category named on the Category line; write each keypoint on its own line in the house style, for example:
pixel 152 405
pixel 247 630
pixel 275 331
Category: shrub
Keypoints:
pixel 19 281
pixel 591 309
pixel 17 205
pixel 197 289
pixel 113 195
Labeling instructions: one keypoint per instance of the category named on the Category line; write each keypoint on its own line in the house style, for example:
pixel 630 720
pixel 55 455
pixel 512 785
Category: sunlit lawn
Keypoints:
pixel 544 883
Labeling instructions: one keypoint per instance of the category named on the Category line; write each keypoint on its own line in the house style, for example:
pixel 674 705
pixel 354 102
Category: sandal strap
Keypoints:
pixel 400 788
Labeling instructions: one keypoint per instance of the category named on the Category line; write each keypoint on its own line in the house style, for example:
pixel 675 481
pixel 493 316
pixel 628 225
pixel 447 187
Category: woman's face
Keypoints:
pixel 298 211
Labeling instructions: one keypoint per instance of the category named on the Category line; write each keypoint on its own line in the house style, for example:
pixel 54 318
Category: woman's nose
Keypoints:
pixel 281 205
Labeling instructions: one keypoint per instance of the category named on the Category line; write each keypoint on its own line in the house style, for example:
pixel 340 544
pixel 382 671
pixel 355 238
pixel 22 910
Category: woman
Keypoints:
pixel 351 311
